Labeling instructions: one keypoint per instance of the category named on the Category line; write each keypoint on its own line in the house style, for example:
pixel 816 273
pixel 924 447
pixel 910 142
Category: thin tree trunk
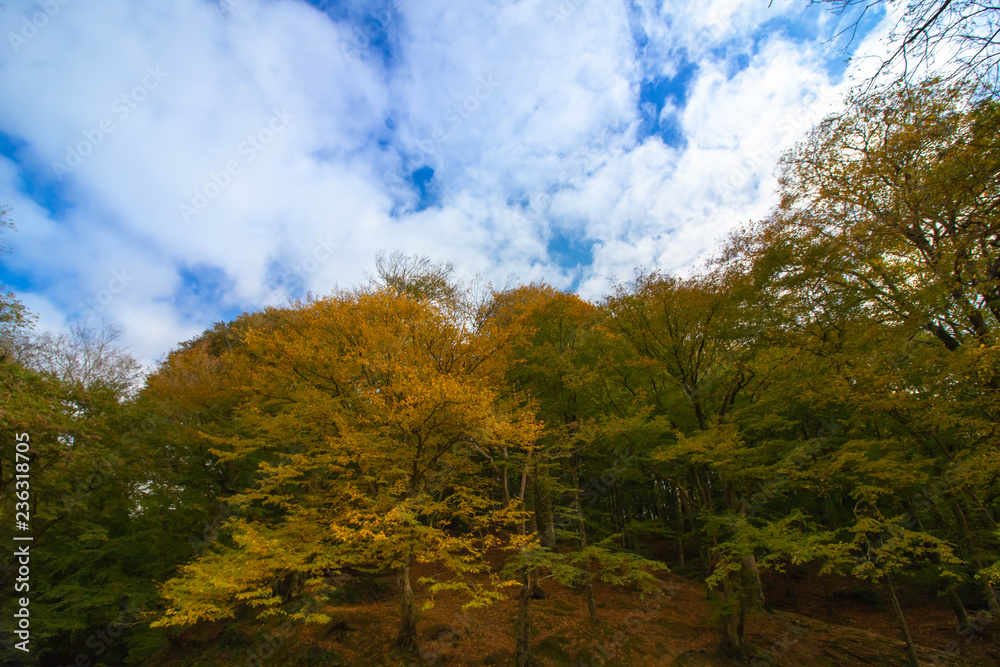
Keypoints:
pixel 689 512
pixel 407 613
pixel 961 613
pixel 753 574
pixel 523 651
pixel 991 597
pixel 533 515
pixel 503 481
pixel 538 516
pixel 741 624
pixel 524 621
pixel 680 529
pixel 549 527
pixel 911 648
pixel 591 601
pixel 734 621
pixel 734 618
pixel 622 517
pixel 520 495
pixel 984 511
pixel 500 471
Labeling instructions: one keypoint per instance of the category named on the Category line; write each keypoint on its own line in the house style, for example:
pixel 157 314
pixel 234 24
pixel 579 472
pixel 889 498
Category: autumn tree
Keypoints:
pixel 883 253
pixel 363 409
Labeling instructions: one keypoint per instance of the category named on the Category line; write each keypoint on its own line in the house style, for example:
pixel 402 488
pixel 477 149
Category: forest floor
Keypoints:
pixel 813 621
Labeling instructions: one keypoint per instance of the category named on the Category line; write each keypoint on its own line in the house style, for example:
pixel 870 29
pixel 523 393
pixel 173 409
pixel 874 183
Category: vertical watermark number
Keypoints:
pixel 22 550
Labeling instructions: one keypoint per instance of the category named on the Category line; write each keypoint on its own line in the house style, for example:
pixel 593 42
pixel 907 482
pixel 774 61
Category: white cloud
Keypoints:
pixel 535 100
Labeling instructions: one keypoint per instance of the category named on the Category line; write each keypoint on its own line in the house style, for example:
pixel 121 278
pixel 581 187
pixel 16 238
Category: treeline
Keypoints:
pixel 824 392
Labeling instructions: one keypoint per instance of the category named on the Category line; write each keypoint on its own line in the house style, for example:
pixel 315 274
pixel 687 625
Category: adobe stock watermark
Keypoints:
pixel 718 21
pixel 212 526
pixel 322 252
pixel 637 618
pixel 122 107
pixel 793 633
pixel 30 26
pixel 227 6
pixel 585 161
pixel 562 11
pixel 373 26
pixel 264 650
pixel 247 151
pixel 757 158
pixel 102 639
pixel 456 115
pixel 97 304
pixel 977 623
pixel 436 648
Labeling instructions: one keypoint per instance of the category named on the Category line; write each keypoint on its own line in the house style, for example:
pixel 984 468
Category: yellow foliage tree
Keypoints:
pixel 368 413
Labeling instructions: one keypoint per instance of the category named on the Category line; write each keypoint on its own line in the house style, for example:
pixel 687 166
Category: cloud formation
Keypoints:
pixel 172 164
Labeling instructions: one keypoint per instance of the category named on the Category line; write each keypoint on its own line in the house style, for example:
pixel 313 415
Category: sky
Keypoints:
pixel 173 164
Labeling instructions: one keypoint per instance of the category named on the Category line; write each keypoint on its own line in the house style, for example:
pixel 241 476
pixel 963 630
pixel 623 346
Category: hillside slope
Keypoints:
pixel 675 628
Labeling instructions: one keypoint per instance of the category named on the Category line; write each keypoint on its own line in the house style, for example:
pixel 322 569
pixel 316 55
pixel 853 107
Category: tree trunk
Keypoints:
pixel 520 495
pixel 549 528
pixel 538 516
pixel 503 481
pixel 523 655
pixel 741 624
pixel 533 515
pixel 523 651
pixel 680 529
pixel 911 648
pixel 591 601
pixel 752 574
pixel 407 637
pixel 627 541
pixel 984 511
pixel 961 613
pixel 735 622
pixel 991 597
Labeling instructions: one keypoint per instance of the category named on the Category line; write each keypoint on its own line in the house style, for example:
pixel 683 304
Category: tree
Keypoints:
pixel 84 358
pixel 14 319
pixel 695 360
pixel 362 410
pixel 416 276
pixel 956 39
pixel 91 554
pixel 883 253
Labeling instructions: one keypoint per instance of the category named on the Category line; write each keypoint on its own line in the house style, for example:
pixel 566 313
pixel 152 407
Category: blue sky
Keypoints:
pixel 171 164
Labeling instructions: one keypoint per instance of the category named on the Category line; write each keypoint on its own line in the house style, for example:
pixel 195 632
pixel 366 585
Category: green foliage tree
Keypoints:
pixel 883 255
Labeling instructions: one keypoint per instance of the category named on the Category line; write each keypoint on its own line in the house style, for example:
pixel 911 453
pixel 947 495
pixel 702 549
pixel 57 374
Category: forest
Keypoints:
pixel 311 484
